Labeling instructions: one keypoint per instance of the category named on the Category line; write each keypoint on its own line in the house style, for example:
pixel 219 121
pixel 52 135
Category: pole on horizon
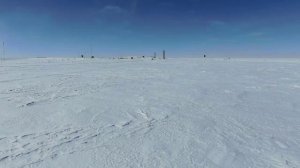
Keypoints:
pixel 164 54
pixel 3 51
pixel 91 49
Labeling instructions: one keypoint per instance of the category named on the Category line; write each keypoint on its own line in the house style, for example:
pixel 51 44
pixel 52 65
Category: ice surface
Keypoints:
pixel 90 113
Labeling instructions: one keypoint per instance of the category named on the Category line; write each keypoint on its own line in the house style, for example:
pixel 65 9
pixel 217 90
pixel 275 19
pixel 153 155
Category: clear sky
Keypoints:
pixel 186 28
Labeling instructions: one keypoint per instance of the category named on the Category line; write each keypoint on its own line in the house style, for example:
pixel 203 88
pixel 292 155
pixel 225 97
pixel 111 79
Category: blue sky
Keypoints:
pixel 186 28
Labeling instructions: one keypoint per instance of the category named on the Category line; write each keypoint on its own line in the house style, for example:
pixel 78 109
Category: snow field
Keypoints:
pixel 212 113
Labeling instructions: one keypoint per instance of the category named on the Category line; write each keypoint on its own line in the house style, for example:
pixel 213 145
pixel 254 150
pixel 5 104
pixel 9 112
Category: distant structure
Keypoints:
pixel 92 57
pixel 204 56
pixel 154 55
pixel 82 56
pixel 3 51
pixel 164 54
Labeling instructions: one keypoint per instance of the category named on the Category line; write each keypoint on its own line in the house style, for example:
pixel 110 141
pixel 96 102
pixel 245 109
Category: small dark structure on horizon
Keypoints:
pixel 131 57
pixel 92 57
pixel 164 54
pixel 82 55
pixel 204 56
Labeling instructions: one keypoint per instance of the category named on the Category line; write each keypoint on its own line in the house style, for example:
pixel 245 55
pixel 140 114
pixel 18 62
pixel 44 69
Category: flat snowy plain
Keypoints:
pixel 214 113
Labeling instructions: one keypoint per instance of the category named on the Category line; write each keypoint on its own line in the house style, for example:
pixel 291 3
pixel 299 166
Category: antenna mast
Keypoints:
pixel 3 51
pixel 91 49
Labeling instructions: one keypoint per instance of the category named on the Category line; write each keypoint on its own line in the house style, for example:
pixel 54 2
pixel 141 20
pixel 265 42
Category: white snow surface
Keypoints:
pixel 182 113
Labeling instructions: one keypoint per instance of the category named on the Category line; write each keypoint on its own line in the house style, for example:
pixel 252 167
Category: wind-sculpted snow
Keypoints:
pixel 90 113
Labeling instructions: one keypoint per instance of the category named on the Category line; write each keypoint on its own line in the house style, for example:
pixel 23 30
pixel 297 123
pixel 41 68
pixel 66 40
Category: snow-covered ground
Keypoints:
pixel 214 113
